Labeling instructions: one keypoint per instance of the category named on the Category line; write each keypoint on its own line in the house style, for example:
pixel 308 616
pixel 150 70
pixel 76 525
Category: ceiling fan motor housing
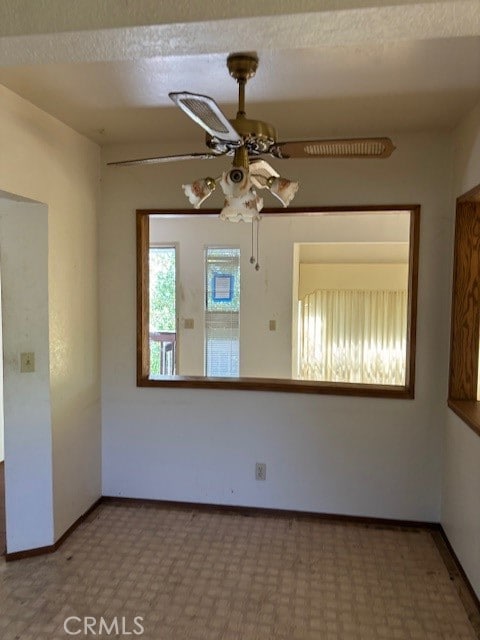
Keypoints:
pixel 257 136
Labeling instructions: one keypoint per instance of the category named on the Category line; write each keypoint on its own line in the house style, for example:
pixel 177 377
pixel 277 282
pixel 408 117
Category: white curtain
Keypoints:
pixel 353 336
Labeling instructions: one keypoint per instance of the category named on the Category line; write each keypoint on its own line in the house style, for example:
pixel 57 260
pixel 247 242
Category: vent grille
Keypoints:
pixel 205 114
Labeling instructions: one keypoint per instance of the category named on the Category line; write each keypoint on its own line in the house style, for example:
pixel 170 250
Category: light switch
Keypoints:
pixel 272 325
pixel 188 323
pixel 27 362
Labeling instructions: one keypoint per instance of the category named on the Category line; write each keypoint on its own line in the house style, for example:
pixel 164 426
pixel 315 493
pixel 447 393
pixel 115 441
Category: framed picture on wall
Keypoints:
pixel 222 288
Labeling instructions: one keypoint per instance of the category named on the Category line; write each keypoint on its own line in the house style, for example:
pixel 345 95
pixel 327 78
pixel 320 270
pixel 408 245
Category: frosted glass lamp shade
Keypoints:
pixel 241 201
pixel 283 189
pixel 243 209
pixel 199 191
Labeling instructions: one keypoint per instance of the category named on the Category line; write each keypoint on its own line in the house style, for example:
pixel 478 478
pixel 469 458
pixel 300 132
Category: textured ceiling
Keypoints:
pixel 351 68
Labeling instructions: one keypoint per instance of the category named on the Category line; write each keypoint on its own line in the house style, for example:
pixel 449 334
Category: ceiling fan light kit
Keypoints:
pixel 242 204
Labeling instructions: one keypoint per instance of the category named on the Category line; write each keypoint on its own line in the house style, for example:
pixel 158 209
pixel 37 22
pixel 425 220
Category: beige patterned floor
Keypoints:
pixel 198 575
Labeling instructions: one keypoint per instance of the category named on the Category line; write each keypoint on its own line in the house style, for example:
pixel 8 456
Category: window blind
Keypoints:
pixel 222 311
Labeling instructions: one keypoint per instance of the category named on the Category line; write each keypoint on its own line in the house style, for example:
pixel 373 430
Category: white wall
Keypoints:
pixel 46 161
pixel 28 441
pixel 2 422
pixel 371 457
pixel 389 277
pixel 461 473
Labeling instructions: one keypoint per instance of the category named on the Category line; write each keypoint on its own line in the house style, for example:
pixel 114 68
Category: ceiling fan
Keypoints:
pixel 246 139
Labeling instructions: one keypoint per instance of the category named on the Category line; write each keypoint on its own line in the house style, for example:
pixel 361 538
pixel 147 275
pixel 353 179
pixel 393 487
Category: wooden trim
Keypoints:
pixel 282 385
pixel 468 411
pixel 406 391
pixel 465 325
pixel 29 553
pixel 143 319
pixel 271 513
pixel 281 211
pixel 473 195
pixel 459 578
pixel 414 249
pixel 465 320
pixel 40 551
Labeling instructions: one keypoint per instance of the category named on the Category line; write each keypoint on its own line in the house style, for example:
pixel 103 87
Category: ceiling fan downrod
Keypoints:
pixel 257 136
pixel 242 67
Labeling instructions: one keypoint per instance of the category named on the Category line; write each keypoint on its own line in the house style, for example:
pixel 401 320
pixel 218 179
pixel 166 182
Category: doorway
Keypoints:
pixel 26 509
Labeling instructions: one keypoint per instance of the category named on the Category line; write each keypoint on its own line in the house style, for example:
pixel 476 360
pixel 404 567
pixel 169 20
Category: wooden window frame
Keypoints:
pixel 465 319
pixel 406 391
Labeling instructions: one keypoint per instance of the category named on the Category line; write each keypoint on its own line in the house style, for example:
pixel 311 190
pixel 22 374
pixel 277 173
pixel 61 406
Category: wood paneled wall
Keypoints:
pixel 465 328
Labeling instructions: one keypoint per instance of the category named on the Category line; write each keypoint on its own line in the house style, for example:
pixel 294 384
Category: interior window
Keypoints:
pixel 352 311
pixel 331 309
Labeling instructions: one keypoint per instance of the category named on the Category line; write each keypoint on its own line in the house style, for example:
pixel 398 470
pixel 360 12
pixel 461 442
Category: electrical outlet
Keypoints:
pixel 188 323
pixel 272 325
pixel 260 471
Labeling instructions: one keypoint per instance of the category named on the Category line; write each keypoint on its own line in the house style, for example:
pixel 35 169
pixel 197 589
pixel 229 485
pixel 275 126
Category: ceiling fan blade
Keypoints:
pixel 344 148
pixel 158 159
pixel 260 171
pixel 206 112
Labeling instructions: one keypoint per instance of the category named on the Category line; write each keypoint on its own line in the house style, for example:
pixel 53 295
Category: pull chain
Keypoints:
pixel 257 266
pixel 253 259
